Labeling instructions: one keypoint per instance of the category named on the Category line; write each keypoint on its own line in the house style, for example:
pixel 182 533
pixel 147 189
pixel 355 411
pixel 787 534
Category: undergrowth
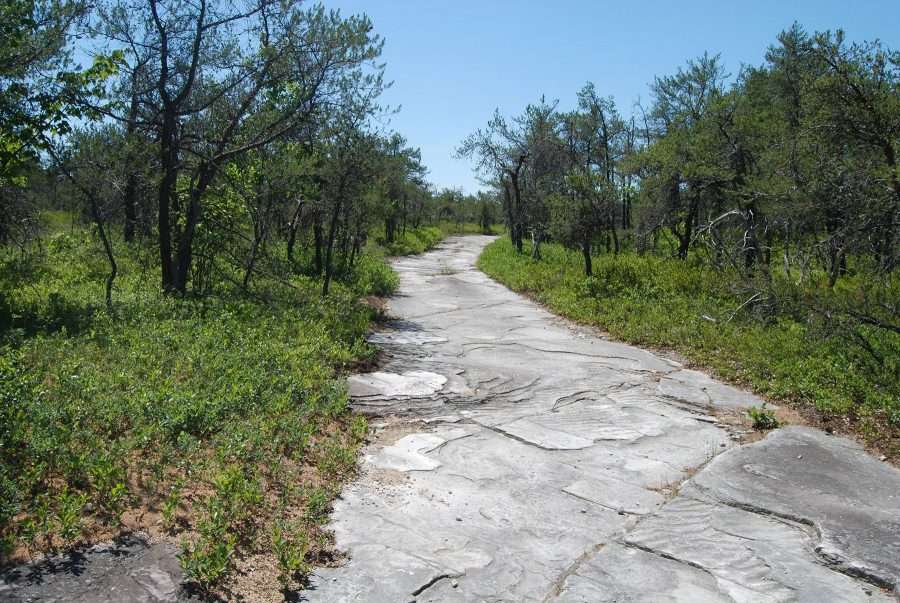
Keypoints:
pixel 411 241
pixel 222 420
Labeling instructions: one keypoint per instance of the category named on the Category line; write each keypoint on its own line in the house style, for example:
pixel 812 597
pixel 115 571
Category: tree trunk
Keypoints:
pixel 318 243
pixel 586 253
pixel 517 204
pixel 389 227
pixel 685 238
pixel 837 260
pixel 684 243
pixel 332 230
pixel 192 218
pixel 330 244
pixel 185 251
pixel 536 245
pixel 169 167
pixel 292 230
pixel 511 218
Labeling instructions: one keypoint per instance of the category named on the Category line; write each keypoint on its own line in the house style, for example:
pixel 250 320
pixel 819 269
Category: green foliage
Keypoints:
pixel 170 507
pixel 317 505
pixel 456 228
pixel 372 276
pixel 37 84
pixel 762 419
pixel 359 428
pixel 787 352
pixel 232 396
pixel 290 546
pixel 208 561
pixel 412 241
pixel 218 394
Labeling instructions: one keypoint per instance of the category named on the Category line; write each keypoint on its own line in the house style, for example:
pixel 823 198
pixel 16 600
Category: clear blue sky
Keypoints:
pixel 454 61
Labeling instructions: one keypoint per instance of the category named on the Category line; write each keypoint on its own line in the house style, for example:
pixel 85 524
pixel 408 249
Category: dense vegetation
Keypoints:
pixel 749 222
pixel 219 419
pixel 188 228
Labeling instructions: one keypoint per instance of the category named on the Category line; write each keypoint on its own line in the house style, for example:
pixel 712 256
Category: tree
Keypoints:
pixel 39 88
pixel 859 96
pixel 501 156
pixel 578 216
pixel 223 79
pixel 35 81
pixel 680 170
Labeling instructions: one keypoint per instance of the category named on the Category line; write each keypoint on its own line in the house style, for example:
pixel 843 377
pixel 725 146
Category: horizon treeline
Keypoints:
pixel 793 161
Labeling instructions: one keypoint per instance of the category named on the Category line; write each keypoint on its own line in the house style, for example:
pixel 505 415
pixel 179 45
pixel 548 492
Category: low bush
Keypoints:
pixel 762 418
pixel 227 413
pixel 412 241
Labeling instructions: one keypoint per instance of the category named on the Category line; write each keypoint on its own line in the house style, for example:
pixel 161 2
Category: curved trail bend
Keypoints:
pixel 519 458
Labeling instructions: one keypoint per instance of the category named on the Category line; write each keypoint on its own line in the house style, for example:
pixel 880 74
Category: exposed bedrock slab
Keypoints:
pixel 850 499
pixel 694 387
pixel 391 385
pixel 540 462
pixel 128 569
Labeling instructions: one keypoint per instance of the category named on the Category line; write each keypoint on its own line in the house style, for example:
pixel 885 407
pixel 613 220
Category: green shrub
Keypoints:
pixel 290 546
pixel 374 277
pixel 170 396
pixel 238 397
pixel 412 241
pixel 761 418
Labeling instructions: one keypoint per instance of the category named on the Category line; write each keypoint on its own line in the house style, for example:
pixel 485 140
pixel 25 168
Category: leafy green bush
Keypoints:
pixel 413 241
pixel 374 277
pixel 761 418
pixel 226 412
pixel 217 410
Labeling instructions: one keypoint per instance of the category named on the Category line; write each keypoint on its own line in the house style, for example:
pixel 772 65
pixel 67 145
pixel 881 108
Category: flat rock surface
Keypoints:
pixel 519 458
pixel 129 569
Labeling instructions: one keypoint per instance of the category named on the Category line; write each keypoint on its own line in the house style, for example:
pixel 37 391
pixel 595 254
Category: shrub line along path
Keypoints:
pixel 519 458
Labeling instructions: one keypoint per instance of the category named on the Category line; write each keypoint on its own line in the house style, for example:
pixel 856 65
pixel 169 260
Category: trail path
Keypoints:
pixel 525 459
